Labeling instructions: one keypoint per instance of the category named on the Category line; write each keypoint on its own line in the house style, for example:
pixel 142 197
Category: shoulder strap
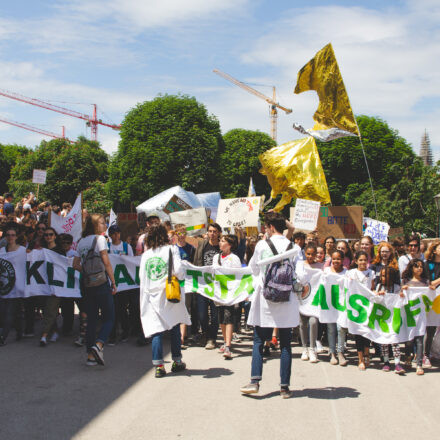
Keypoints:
pixel 125 247
pixel 272 247
pixel 290 246
pixel 170 265
pixel 108 245
pixel 219 260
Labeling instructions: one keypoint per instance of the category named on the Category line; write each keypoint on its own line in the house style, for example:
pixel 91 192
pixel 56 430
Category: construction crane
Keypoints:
pixel 37 130
pixel 91 121
pixel 271 101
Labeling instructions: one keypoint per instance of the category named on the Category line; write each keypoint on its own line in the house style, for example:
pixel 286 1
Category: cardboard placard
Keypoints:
pixel 241 212
pixel 394 233
pixel 175 204
pixel 376 229
pixel 340 221
pixel 305 215
pixel 127 222
pixel 39 176
pixel 195 220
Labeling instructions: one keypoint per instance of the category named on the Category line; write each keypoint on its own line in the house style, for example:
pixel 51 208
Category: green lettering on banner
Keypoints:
pixel 137 279
pixel 70 278
pixel 245 285
pixel 336 296
pixel 320 298
pixel 195 274
pixel 122 276
pixel 209 280
pixel 410 321
pixel 427 302
pixel 362 312
pixel 223 280
pixel 397 320
pixel 50 275
pixel 32 271
pixel 379 317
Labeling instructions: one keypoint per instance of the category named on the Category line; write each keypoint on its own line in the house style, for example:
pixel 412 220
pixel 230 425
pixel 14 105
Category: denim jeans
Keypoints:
pixel 11 312
pixel 99 297
pixel 262 334
pixel 331 335
pixel 210 329
pixel 409 346
pixel 157 346
pixel 342 334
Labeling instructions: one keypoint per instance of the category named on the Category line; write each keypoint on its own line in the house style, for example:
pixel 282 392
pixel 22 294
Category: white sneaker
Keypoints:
pixel 305 355
pixel 319 347
pixel 312 356
pixel 54 337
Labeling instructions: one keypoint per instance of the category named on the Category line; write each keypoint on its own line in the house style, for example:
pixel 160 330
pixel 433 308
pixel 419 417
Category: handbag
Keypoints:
pixel 172 287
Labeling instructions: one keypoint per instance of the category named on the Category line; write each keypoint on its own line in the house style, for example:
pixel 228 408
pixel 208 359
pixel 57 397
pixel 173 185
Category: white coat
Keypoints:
pixel 158 314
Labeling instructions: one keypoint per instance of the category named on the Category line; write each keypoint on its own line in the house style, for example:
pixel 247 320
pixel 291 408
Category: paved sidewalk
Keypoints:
pixel 48 393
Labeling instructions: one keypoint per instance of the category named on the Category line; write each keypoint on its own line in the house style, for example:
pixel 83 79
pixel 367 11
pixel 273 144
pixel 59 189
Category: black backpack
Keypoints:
pixel 280 276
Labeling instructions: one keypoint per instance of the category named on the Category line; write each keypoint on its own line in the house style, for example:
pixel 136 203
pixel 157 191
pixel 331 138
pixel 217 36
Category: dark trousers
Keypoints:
pixel 208 316
pixel 262 334
pixel 12 313
pixel 361 343
pixel 122 317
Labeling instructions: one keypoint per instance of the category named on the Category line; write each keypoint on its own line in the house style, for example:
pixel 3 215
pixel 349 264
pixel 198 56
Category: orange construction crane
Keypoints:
pixel 37 130
pixel 271 101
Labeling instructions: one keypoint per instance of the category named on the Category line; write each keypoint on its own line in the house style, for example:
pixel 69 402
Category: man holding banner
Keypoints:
pixel 264 314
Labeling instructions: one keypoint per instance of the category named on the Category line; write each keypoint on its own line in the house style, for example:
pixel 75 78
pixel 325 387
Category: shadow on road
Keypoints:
pixel 329 393
pixel 209 373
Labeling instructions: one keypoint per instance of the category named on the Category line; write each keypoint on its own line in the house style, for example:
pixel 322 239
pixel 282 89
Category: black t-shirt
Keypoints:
pixel 208 254
pixel 186 252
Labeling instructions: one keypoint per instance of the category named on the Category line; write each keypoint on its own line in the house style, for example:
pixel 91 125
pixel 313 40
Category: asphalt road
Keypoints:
pixel 49 393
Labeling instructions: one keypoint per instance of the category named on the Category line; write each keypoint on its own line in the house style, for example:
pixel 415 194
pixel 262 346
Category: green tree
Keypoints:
pixel 9 154
pixel 70 169
pixel 168 141
pixel 95 198
pixel 239 162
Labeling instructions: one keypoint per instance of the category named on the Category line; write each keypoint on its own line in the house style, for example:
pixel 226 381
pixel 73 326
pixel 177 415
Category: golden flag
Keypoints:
pixel 322 74
pixel 294 169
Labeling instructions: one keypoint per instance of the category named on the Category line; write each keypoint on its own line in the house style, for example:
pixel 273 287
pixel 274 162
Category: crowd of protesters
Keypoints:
pixel 108 317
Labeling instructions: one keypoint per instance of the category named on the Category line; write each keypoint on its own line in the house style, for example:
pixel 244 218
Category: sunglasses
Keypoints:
pixel 413 245
pixel 49 234
pixel 11 235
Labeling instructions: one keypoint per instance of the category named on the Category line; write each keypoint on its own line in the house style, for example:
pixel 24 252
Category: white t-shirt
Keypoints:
pixel 85 245
pixel 404 261
pixel 230 261
pixel 119 249
pixel 329 270
pixel 365 277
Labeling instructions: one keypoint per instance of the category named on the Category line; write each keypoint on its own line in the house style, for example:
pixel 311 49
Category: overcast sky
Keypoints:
pixel 118 53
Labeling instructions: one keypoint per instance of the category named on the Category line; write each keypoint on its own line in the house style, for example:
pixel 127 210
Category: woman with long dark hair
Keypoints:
pixel 157 313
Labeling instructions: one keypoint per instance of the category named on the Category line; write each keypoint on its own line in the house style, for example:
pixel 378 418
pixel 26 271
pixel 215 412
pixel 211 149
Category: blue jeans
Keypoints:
pixel 331 336
pixel 262 334
pixel 210 329
pixel 157 346
pixel 99 297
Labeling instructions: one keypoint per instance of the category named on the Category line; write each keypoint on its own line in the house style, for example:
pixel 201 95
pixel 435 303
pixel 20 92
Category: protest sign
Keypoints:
pixel 305 215
pixel 176 204
pixel 195 220
pixel 241 212
pixel 340 221
pixel 377 230
pixel 39 176
pixel 71 223
pixel 127 222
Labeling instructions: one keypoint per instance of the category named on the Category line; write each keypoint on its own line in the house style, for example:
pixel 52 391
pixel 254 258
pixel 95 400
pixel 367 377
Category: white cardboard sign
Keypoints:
pixel 195 220
pixel 305 215
pixel 377 230
pixel 39 176
pixel 242 212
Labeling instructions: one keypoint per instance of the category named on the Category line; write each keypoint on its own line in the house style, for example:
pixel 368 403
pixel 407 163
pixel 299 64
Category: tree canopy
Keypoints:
pixel 9 154
pixel 70 169
pixel 168 141
pixel 239 162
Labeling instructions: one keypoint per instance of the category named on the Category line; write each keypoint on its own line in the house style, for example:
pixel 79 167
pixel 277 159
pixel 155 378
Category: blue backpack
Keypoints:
pixel 280 276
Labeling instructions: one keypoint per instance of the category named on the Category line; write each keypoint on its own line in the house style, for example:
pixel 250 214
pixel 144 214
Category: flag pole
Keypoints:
pixel 368 169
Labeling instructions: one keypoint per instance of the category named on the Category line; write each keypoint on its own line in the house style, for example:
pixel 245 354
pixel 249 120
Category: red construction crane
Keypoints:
pixel 37 130
pixel 91 121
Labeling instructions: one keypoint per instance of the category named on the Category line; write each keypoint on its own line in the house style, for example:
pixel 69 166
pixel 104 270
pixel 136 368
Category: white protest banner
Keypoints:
pixel 39 176
pixel 387 319
pixel 305 215
pixel 377 230
pixel 195 220
pixel 431 300
pixel 71 224
pixel 241 212
pixel 126 271
pixel 227 286
pixel 48 273
pixel 12 273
